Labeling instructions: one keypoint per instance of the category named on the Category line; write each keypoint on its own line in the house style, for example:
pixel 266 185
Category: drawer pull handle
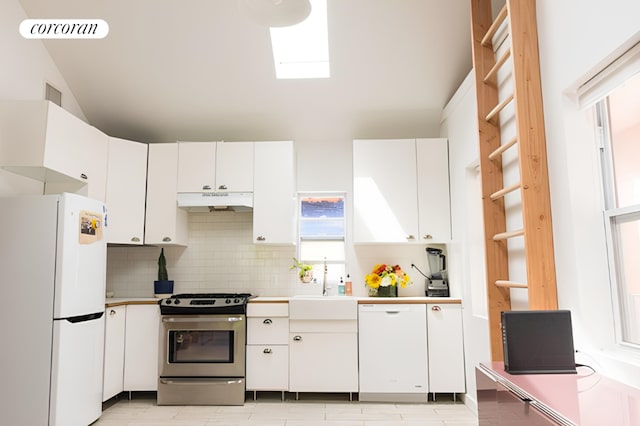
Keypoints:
pixel 222 187
pixel 206 187
pixel 112 313
pixel 166 239
pixel 266 351
pixel 83 176
pixel 436 308
pixel 135 239
pixel 267 321
pixel 297 338
pixel 261 238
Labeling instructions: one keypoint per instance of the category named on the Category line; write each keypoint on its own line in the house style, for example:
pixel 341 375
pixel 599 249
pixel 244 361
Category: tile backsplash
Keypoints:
pixel 220 257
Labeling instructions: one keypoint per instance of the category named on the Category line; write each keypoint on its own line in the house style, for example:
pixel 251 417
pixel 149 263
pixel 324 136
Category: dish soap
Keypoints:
pixel 348 290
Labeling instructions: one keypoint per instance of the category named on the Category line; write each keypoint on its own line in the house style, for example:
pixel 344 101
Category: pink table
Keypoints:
pixel 586 398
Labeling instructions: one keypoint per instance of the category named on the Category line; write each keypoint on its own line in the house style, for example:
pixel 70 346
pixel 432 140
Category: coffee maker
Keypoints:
pixel 437 281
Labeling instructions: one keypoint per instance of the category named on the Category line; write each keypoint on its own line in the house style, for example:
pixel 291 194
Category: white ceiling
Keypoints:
pixel 199 70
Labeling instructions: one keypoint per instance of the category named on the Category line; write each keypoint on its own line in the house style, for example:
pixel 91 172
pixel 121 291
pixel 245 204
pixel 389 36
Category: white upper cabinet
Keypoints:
pixel 434 207
pixel 215 166
pixel 42 141
pixel 274 193
pixel 165 224
pixel 385 191
pixel 401 191
pixel 126 188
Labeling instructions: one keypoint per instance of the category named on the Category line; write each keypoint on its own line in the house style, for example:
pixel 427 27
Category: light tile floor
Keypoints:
pixel 269 410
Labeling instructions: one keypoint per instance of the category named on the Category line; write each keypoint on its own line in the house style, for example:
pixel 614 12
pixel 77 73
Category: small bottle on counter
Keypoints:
pixel 341 287
pixel 348 290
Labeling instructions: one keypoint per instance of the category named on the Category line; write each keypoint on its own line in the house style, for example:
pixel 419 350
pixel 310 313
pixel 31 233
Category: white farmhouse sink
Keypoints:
pixel 323 308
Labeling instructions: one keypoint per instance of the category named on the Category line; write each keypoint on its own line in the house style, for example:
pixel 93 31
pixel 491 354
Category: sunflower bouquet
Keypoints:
pixel 384 280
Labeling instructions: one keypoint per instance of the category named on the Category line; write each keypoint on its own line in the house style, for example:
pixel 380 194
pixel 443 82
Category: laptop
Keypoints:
pixel 538 342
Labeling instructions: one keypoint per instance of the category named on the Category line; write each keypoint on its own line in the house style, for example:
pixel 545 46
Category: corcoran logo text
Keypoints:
pixel 64 28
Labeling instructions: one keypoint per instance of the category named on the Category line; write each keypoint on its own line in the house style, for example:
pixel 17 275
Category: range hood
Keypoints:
pixel 215 201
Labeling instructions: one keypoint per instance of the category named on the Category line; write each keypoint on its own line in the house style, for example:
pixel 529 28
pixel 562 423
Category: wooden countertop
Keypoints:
pixel 111 302
pixel 367 300
pixel 120 301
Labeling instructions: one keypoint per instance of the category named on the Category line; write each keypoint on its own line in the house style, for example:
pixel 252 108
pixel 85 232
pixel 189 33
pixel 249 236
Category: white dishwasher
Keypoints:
pixel 392 341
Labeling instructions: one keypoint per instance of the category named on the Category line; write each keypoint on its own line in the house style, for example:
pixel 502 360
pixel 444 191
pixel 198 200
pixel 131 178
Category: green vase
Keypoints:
pixel 389 291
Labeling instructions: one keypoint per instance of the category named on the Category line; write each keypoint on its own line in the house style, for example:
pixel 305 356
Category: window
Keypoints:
pixel 618 123
pixel 321 234
pixel 302 50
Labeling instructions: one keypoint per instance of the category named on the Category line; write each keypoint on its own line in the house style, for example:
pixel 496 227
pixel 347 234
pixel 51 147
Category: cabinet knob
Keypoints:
pixel 222 187
pixel 166 239
pixel 112 313
pixel 410 237
pixel 266 351
pixel 135 239
pixel 436 308
pixel 297 338
pixel 206 187
pixel 261 238
pixel 267 321
pixel 427 236
pixel 83 176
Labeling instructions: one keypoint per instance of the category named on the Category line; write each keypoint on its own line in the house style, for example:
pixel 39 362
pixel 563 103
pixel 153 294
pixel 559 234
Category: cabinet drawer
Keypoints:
pixel 267 330
pixel 268 310
pixel 267 367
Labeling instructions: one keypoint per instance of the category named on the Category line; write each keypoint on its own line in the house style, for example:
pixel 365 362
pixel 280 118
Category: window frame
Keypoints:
pixel 612 216
pixel 318 265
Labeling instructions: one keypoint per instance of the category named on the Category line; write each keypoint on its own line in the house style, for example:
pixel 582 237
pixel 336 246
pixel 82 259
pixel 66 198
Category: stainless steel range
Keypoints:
pixel 202 349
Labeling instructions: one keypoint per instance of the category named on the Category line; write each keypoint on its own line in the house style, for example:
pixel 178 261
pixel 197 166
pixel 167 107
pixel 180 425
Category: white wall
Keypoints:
pixel 26 66
pixel 575 38
pixel 459 125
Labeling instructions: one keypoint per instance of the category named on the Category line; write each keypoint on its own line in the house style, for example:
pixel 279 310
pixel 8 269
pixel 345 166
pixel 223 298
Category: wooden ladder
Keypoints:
pixel 520 101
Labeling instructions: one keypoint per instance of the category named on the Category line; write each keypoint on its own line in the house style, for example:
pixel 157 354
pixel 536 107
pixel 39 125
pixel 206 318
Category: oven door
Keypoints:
pixel 203 346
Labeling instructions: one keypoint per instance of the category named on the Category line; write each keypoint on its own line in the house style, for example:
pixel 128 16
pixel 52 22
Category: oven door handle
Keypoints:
pixel 205 319
pixel 197 381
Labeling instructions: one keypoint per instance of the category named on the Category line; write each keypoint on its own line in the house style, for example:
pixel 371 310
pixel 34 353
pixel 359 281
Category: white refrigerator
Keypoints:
pixel 52 272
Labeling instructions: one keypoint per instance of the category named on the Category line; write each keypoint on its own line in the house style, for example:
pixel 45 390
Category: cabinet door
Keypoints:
pixel 273 195
pixel 323 362
pixel 267 367
pixel 78 150
pixel 385 191
pixel 433 190
pixel 392 361
pixel 141 348
pixel 126 188
pixel 196 166
pixel 234 166
pixel 446 352
pixel 113 377
pixel 165 222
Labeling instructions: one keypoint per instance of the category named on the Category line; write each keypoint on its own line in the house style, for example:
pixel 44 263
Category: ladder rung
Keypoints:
pixel 494 27
pixel 505 191
pixel 497 65
pixel 506 235
pixel 502 148
pixel 499 108
pixel 510 284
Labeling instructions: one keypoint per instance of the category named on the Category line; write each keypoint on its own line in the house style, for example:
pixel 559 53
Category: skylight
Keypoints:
pixel 302 50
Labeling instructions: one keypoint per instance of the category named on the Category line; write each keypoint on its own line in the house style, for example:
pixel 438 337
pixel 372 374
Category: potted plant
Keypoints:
pixel 163 285
pixel 305 271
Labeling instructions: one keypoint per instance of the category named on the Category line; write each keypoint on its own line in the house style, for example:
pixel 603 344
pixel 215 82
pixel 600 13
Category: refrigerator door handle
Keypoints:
pixel 84 318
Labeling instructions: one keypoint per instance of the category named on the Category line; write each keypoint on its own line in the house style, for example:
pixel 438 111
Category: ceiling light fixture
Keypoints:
pixel 275 13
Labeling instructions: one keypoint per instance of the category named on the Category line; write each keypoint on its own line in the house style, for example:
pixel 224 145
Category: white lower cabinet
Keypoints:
pixel 113 373
pixel 393 352
pixel 267 347
pixel 446 349
pixel 141 348
pixel 323 356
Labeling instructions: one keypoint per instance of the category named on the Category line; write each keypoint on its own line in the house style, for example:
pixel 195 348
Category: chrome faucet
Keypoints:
pixel 324 279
